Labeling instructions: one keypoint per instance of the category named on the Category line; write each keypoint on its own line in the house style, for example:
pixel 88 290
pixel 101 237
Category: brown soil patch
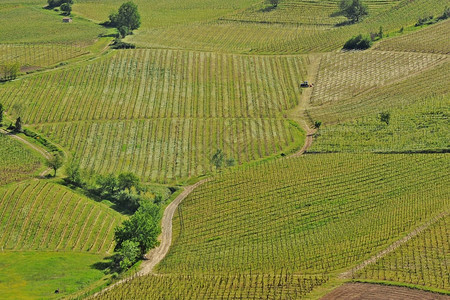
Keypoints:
pixel 367 291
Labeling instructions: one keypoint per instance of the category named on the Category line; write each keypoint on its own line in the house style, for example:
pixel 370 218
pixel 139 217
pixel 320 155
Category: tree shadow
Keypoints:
pixel 109 265
pixel 267 9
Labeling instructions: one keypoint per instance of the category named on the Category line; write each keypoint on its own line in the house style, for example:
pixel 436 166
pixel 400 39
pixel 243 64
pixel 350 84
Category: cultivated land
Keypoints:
pixel 362 200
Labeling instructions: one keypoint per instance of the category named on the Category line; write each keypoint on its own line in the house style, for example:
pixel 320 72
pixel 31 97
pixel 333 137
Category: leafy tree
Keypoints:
pixel 73 172
pixel 218 158
pixel 66 8
pixel 317 124
pixel 10 70
pixel 358 42
pixel 274 3
pixel 385 117
pixel 128 16
pixel 56 3
pixel 55 162
pixel 124 31
pixel 18 127
pixel 354 10
pixel 230 162
pixel 127 181
pixel 141 228
pixel 107 184
pixel 129 253
pixel 2 111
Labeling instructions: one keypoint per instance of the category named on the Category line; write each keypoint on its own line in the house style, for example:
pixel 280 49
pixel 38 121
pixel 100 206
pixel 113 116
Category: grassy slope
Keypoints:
pixel 51 238
pixel 32 275
pixel 16 162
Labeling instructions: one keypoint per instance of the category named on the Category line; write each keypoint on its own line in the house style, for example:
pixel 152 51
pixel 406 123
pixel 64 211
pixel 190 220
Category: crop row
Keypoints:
pixel 236 286
pixel 420 126
pixel 433 39
pixel 345 75
pixel 38 55
pixel 161 83
pixel 424 260
pixel 16 162
pixel 428 84
pixel 260 36
pixel 39 215
pixel 166 149
pixel 313 214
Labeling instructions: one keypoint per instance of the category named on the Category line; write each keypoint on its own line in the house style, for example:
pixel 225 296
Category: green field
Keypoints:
pixel 37 274
pixel 205 76
pixel 16 161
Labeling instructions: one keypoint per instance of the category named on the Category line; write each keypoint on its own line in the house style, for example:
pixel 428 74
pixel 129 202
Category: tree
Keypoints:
pixel 274 3
pixel 1 113
pixel 129 253
pixel 358 42
pixel 73 172
pixel 18 127
pixel 107 184
pixel 230 162
pixel 66 8
pixel 10 70
pixel 317 124
pixel 128 16
pixel 385 117
pixel 354 10
pixel 218 158
pixel 127 181
pixel 55 162
pixel 141 228
pixel 124 31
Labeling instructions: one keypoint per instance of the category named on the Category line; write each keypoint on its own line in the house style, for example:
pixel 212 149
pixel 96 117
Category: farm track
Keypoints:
pixel 40 150
pixel 367 291
pixel 395 245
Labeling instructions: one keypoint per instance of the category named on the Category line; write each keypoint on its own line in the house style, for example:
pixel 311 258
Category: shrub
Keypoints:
pixel 358 42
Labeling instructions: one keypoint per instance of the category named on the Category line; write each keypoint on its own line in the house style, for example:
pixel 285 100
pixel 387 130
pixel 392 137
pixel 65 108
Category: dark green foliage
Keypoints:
pixel 18 126
pixel 218 158
pixel 9 71
pixel 66 8
pixel 385 117
pixel 107 185
pixel 55 162
pixel 2 111
pixel 141 228
pixel 317 124
pixel 424 21
pixel 118 44
pixel 128 180
pixel 56 3
pixel 123 31
pixel 274 3
pixel 354 10
pixel 128 16
pixel 129 253
pixel 73 173
pixel 230 162
pixel 358 42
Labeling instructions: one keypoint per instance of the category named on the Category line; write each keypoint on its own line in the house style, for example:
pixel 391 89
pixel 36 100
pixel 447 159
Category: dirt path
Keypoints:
pixel 375 258
pixel 157 254
pixel 40 150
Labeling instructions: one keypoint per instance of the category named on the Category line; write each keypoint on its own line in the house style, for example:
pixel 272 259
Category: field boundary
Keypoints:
pixel 349 274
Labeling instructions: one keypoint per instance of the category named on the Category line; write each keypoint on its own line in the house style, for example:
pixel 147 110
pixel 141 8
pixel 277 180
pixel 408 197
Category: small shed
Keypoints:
pixel 67 20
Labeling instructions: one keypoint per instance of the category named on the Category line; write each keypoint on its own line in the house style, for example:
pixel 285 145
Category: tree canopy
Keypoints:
pixel 354 10
pixel 127 18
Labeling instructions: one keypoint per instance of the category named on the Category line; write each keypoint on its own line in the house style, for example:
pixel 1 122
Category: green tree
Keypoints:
pixel 141 228
pixel 66 8
pixel 129 253
pixel 55 162
pixel 73 172
pixel 2 111
pixel 274 3
pixel 230 162
pixel 354 10
pixel 128 16
pixel 384 117
pixel 218 158
pixel 127 181
pixel 18 127
pixel 107 184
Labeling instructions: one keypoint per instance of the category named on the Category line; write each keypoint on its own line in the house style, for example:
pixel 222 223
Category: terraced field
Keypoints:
pixel 423 261
pixel 38 215
pixel 16 162
pixel 170 110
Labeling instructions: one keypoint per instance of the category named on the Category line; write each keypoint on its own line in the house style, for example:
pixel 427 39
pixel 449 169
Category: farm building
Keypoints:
pixel 67 20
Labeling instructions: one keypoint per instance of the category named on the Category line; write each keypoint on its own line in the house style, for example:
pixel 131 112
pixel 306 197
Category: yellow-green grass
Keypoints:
pixel 418 127
pixel 423 261
pixel 432 39
pixel 163 113
pixel 346 75
pixel 230 286
pixel 30 23
pixel 219 33
pixel 37 274
pixel 40 215
pixel 16 162
pixel 430 83
pixel 310 215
